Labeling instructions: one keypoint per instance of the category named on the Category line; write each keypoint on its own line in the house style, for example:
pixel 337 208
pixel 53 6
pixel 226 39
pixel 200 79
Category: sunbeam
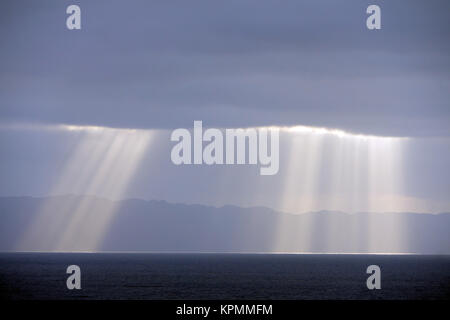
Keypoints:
pixel 102 164
pixel 335 170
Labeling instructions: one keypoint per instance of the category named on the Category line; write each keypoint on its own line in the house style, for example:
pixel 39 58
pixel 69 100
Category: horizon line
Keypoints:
pixel 233 252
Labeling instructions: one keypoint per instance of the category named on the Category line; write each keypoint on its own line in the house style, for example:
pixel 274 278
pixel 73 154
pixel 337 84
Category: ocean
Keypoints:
pixel 136 276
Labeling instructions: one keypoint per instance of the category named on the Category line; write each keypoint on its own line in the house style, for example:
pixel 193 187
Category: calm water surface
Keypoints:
pixel 222 276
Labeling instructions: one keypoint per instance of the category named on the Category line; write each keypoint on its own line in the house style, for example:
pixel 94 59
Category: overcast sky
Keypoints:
pixel 164 64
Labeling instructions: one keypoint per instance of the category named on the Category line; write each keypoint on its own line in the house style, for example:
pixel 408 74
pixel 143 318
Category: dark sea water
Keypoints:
pixel 222 276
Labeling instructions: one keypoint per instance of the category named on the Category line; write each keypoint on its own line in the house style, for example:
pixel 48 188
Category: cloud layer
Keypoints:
pixel 231 63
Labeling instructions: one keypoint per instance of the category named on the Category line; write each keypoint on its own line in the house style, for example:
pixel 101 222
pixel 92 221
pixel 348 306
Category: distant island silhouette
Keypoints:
pixel 159 226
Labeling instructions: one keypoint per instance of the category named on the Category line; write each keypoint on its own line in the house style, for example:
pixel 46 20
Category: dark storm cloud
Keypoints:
pixel 163 64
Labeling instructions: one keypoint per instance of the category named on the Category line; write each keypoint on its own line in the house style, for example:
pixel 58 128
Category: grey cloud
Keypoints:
pixel 234 63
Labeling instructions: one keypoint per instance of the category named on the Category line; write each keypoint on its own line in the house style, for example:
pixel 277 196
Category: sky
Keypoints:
pixel 155 66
